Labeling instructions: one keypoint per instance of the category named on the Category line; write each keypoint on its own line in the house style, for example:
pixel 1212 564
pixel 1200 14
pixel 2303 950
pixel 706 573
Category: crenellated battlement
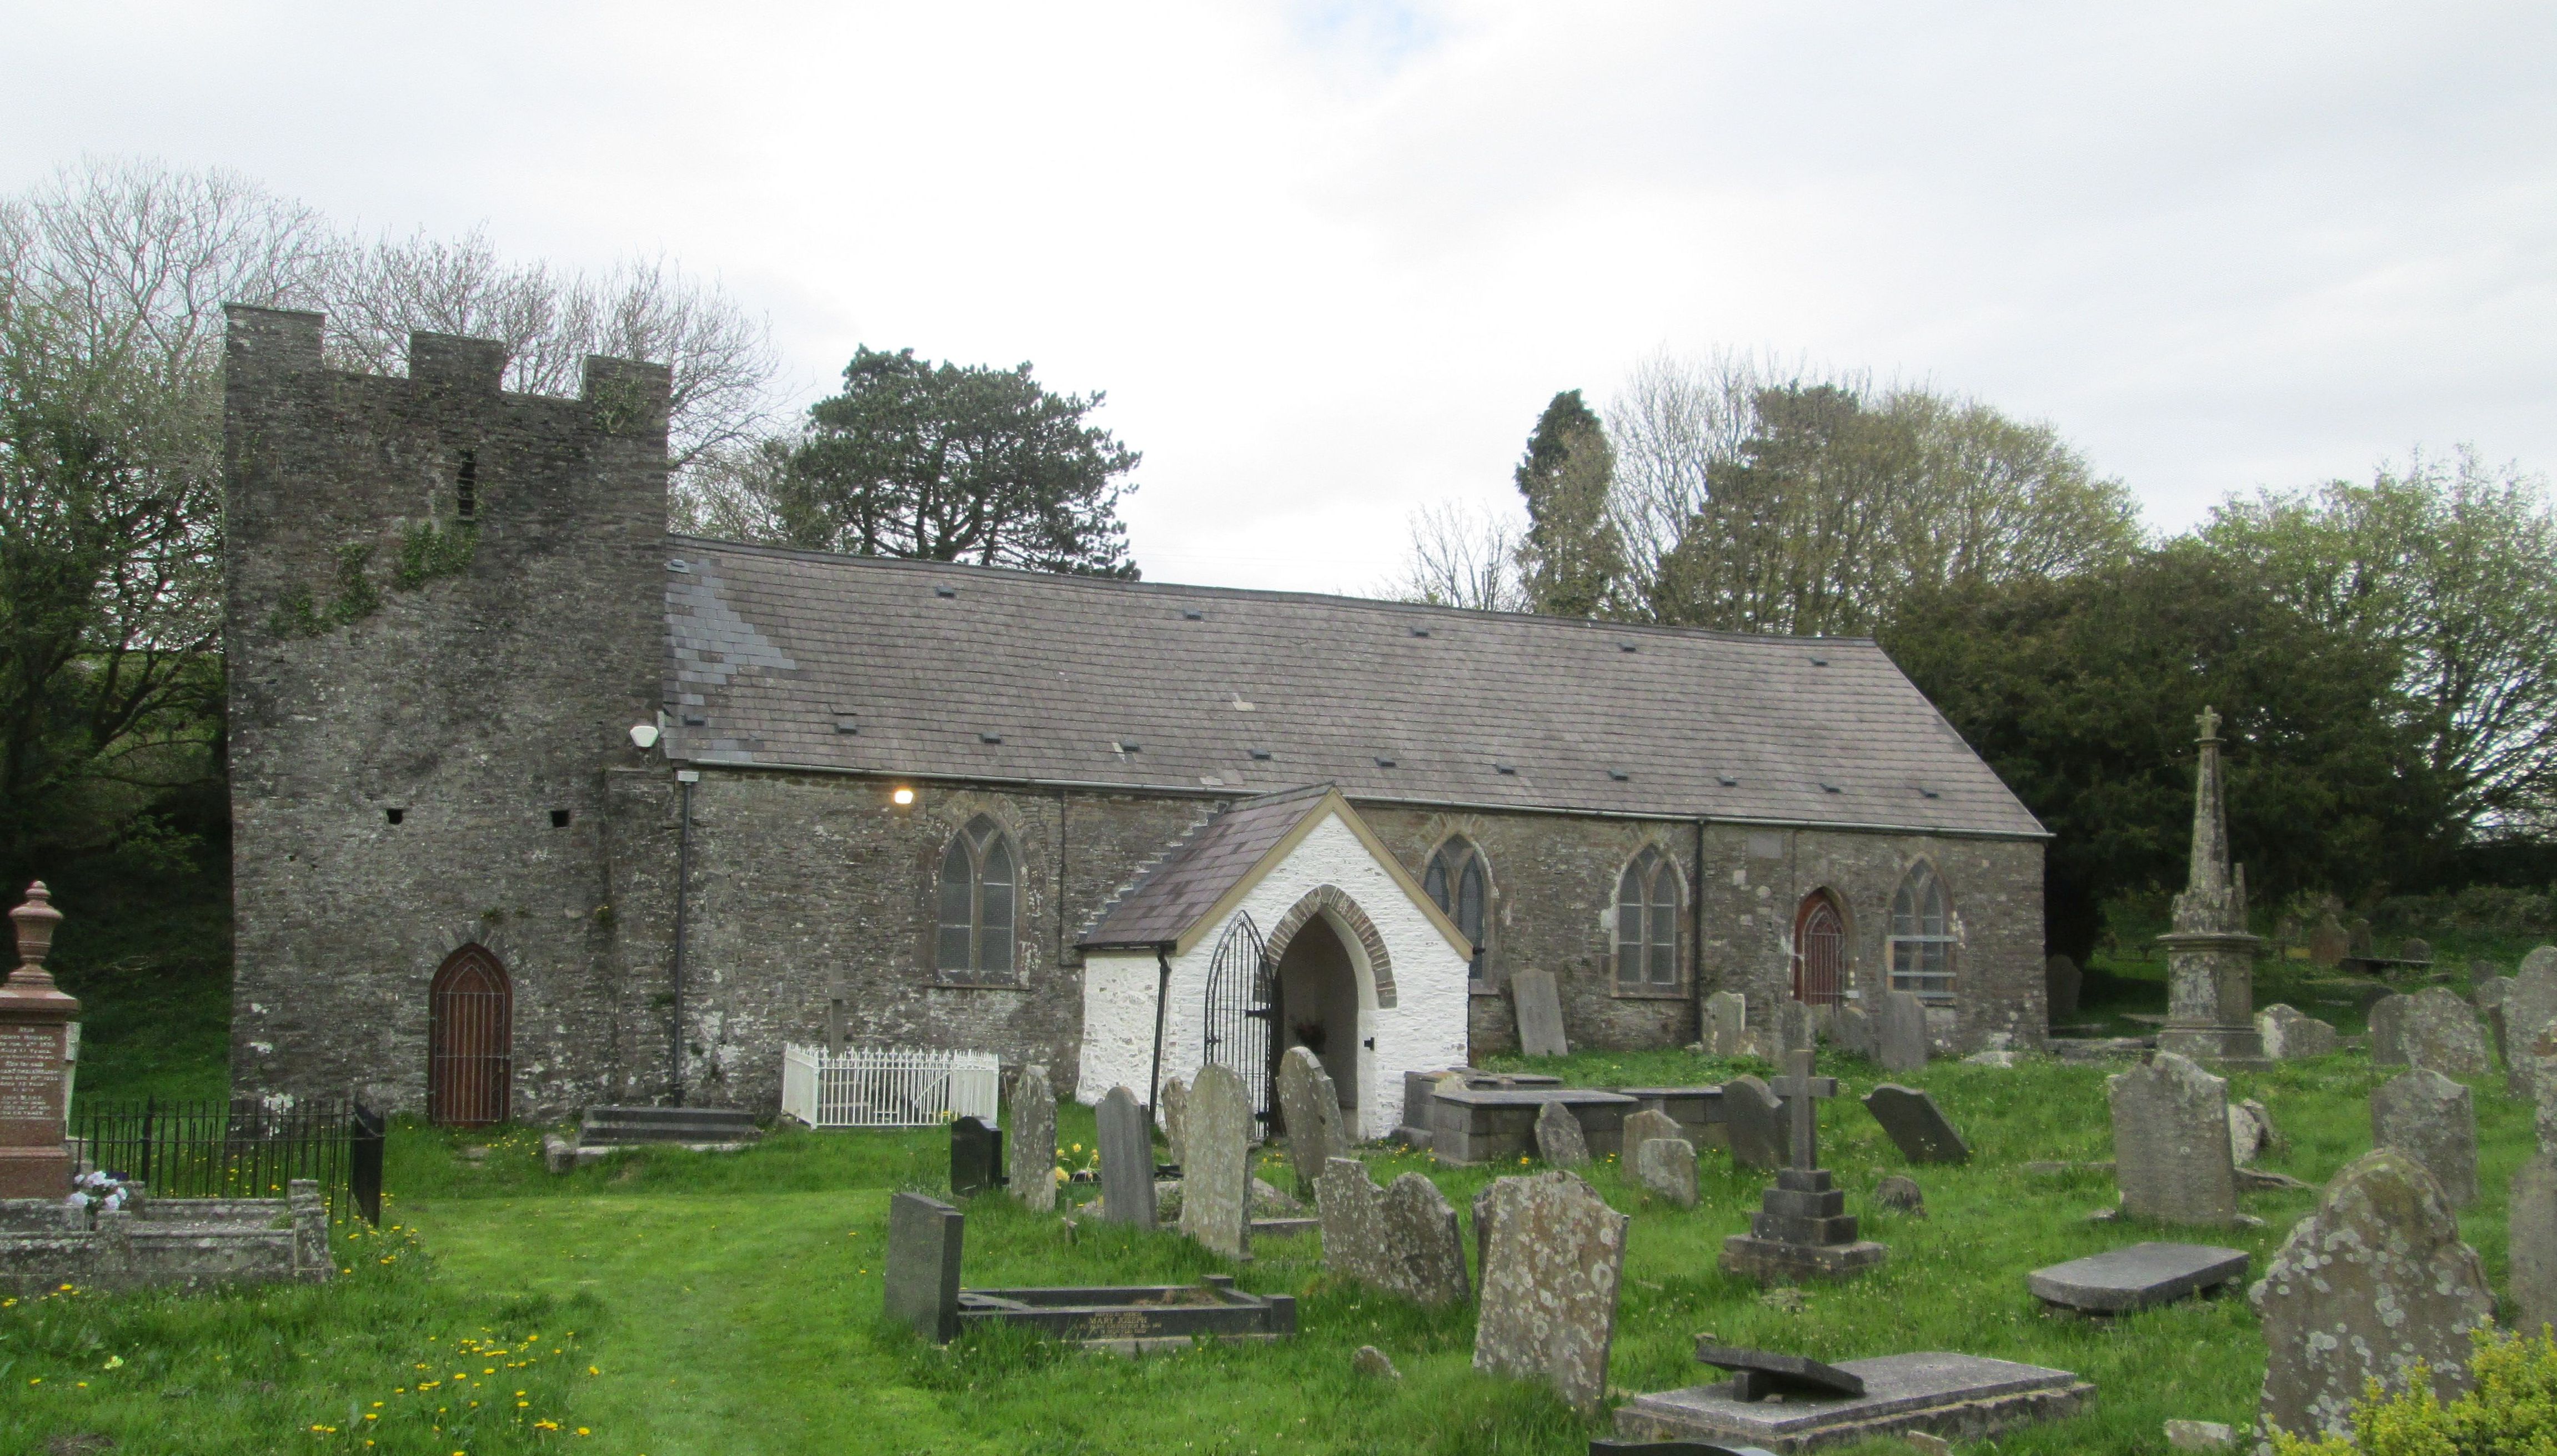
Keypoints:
pixel 264 343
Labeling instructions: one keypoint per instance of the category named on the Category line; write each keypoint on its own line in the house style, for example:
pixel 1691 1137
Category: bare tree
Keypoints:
pixel 1462 556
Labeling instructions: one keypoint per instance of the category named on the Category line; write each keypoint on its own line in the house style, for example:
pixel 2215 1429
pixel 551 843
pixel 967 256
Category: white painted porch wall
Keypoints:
pixel 1424 1031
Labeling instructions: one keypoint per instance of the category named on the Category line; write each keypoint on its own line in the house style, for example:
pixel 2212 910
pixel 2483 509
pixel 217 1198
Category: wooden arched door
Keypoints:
pixel 471 1040
pixel 1819 951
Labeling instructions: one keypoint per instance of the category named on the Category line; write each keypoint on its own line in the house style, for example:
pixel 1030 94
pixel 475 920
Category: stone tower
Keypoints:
pixel 445 613
pixel 2211 959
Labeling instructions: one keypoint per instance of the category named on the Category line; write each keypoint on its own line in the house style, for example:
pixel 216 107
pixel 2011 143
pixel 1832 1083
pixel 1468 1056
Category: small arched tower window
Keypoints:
pixel 1921 943
pixel 1457 884
pixel 1647 919
pixel 978 878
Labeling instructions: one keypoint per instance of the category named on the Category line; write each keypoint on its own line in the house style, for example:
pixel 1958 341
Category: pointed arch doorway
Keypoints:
pixel 471 1040
pixel 1819 951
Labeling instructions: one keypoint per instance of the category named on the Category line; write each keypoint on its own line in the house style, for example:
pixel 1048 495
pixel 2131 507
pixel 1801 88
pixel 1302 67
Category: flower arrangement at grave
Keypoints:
pixel 99 1191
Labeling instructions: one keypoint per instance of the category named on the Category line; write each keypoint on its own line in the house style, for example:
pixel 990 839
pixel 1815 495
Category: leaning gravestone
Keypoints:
pixel 1311 1107
pixel 1216 1171
pixel 1401 1240
pixel 2530 1007
pixel 1031 1147
pixel 1176 1109
pixel 976 1158
pixel 2388 1030
pixel 1538 1004
pixel 2430 1119
pixel 2061 982
pixel 2440 1031
pixel 1666 1166
pixel 1551 1267
pixel 1559 1138
pixel 1643 1127
pixel 2372 1282
pixel 2251 1130
pixel 1900 1032
pixel 2289 1033
pixel 2531 1236
pixel 1726 1014
pixel 1127 1161
pixel 2171 1143
pixel 1916 1125
pixel 1751 1118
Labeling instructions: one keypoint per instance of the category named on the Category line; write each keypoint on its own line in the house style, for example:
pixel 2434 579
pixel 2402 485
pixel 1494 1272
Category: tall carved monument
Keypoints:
pixel 35 1047
pixel 2211 959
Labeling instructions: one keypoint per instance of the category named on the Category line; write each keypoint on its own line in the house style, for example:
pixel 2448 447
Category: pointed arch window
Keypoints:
pixel 1458 885
pixel 1921 943
pixel 980 881
pixel 1647 920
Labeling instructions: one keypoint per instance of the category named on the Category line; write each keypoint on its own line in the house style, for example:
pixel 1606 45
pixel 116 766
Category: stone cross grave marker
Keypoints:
pixel 1802 1228
pixel 976 1158
pixel 1031 1142
pixel 1916 1125
pixel 1127 1161
pixel 2372 1282
pixel 1538 1002
pixel 2171 1154
pixel 1752 1121
pixel 1401 1240
pixel 1796 1029
pixel 34 1049
pixel 1311 1108
pixel 1551 1266
pixel 2440 1031
pixel 1559 1138
pixel 2432 1120
pixel 837 1026
pixel 1216 1172
pixel 1901 1032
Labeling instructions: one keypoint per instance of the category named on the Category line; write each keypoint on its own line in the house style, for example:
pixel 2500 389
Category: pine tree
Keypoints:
pixel 1573 560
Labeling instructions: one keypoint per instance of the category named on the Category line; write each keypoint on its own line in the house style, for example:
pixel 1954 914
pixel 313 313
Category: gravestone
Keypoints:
pixel 1759 1374
pixel 1900 1191
pixel 2489 996
pixel 1127 1161
pixel 2328 942
pixel 2372 1282
pixel 2541 958
pixel 2171 1143
pixel 2531 1237
pixel 2061 982
pixel 1750 1117
pixel 1643 1125
pixel 2416 949
pixel 2432 1120
pixel 2388 1030
pixel 922 1267
pixel 1900 1032
pixel 34 1051
pixel 2251 1130
pixel 2440 1031
pixel 1856 1034
pixel 2482 972
pixel 976 1158
pixel 1216 1171
pixel 2141 1277
pixel 1552 1263
pixel 1666 1166
pixel 1916 1125
pixel 1030 1143
pixel 1796 1029
pixel 1538 1004
pixel 1910 1396
pixel 2289 1033
pixel 1176 1104
pixel 1559 1139
pixel 2538 1060
pixel 1801 1229
pixel 1401 1240
pixel 2357 938
pixel 2529 1007
pixel 1311 1108
pixel 1727 1019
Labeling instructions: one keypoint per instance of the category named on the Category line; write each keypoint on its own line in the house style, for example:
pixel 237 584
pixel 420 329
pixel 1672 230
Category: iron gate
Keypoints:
pixel 1240 1012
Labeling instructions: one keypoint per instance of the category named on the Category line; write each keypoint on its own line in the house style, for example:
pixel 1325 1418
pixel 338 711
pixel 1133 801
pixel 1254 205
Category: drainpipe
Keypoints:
pixel 684 781
pixel 1162 989
pixel 1695 933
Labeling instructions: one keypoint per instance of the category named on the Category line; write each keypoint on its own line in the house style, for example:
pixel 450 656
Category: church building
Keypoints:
pixel 538 807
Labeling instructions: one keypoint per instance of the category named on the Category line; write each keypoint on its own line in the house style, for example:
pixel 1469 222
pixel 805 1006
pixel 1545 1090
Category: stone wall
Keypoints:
pixel 475 684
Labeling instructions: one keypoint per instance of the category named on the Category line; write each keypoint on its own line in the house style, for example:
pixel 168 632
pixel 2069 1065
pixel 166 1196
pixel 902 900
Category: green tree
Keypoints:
pixel 953 463
pixel 1572 561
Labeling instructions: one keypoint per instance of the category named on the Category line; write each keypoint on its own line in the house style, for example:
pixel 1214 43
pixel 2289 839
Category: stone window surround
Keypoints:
pixel 1951 940
pixel 1681 953
pixel 1485 981
pixel 1024 943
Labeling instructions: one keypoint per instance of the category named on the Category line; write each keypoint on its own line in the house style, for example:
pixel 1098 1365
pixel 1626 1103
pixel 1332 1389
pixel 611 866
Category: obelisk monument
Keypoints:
pixel 2211 959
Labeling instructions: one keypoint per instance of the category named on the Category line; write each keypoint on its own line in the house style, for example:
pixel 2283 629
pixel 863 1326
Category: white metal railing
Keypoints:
pixel 887 1087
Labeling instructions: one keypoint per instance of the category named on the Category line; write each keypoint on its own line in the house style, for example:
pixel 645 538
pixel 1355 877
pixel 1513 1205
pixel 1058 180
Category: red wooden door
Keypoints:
pixel 471 1040
pixel 1820 952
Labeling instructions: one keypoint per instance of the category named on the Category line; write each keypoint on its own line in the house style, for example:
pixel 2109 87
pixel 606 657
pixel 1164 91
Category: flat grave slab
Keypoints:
pixel 1698 1109
pixel 2141 1277
pixel 1604 1447
pixel 1960 1397
pixel 1759 1374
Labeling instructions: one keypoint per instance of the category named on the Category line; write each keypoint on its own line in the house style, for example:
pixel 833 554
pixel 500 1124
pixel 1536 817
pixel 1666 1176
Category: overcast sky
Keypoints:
pixel 1331 261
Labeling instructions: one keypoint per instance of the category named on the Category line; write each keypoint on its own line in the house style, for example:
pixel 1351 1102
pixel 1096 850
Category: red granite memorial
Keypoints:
pixel 35 1046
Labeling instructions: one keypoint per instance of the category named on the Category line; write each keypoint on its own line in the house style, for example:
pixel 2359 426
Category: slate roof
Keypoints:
pixel 805 660
pixel 1169 897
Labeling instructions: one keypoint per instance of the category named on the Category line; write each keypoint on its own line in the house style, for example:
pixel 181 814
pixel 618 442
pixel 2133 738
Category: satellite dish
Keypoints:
pixel 644 734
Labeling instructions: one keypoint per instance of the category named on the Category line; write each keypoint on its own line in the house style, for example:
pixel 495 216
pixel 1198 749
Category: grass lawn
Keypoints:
pixel 729 1305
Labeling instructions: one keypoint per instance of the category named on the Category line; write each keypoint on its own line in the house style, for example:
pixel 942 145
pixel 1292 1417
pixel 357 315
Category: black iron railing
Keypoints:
pixel 237 1149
